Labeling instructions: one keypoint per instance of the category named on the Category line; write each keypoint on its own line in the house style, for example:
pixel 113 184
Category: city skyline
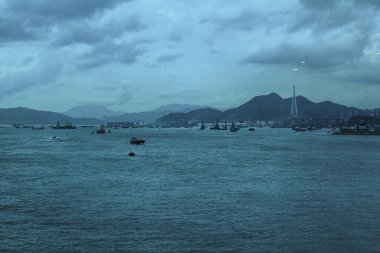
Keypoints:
pixel 138 55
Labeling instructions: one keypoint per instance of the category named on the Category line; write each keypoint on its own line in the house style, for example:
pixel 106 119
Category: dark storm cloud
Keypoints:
pixel 15 29
pixel 168 58
pixel 33 19
pixel 63 9
pixel 317 55
pixel 87 32
pixel 109 51
pixel 326 4
pixel 330 36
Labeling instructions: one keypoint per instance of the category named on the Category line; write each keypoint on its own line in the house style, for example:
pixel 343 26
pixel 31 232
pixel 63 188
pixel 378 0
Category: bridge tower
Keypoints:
pixel 294 109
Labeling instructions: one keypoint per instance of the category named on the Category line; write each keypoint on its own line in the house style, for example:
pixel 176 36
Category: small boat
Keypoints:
pixel 101 130
pixel 137 141
pixel 251 129
pixel 216 126
pixel 56 138
pixel 203 127
pixel 299 129
pixel 233 128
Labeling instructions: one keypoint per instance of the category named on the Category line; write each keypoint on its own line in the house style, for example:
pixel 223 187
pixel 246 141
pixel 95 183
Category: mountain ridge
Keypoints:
pixel 271 107
pixel 22 115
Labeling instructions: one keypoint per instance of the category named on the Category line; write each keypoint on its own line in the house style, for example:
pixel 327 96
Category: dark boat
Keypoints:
pixel 101 130
pixel 299 129
pixel 67 125
pixel 233 128
pixel 203 127
pixel 251 129
pixel 216 126
pixel 137 141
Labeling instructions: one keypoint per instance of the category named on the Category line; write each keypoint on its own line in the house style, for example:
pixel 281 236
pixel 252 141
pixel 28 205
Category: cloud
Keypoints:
pixel 247 20
pixel 37 74
pixel 333 37
pixel 58 10
pixel 317 54
pixel 168 58
pixel 90 32
pixel 110 52
pixel 36 19
pixel 13 29
pixel 322 16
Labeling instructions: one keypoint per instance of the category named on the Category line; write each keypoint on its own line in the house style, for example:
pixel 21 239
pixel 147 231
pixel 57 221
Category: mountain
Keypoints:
pixel 91 111
pixel 29 116
pixel 269 107
pixel 182 119
pixel 177 108
pixel 153 115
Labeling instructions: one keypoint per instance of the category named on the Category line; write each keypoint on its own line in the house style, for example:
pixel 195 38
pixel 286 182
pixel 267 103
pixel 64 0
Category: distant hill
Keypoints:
pixel 182 119
pixel 153 115
pixel 91 111
pixel 22 115
pixel 268 107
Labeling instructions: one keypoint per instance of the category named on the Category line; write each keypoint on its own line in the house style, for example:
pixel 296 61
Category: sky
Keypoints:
pixel 136 55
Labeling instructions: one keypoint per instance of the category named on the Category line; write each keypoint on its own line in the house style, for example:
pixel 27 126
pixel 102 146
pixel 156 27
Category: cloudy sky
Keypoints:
pixel 139 54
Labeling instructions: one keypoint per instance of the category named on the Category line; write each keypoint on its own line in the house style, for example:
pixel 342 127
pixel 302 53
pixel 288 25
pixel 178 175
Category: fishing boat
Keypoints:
pixel 233 128
pixel 203 127
pixel 136 141
pixel 216 126
pixel 101 130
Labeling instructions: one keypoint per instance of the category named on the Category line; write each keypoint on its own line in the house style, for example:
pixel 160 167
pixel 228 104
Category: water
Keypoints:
pixel 188 191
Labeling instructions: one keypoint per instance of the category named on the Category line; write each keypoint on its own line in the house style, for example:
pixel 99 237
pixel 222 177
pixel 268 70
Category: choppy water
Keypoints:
pixel 189 191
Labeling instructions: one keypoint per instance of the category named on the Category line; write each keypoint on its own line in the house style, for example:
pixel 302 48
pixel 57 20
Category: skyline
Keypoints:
pixel 138 55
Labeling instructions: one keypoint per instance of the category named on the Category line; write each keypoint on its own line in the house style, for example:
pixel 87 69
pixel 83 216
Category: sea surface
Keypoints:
pixel 186 190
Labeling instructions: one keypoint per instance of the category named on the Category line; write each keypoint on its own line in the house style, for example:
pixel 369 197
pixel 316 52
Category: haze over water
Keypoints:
pixel 189 191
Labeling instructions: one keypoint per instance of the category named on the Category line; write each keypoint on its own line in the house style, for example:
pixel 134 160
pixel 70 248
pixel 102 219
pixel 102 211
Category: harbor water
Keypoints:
pixel 271 190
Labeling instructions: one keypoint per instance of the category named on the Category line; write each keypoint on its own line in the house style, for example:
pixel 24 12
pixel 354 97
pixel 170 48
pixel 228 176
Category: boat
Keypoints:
pixel 233 128
pixel 56 138
pixel 203 127
pixel 216 126
pixel 251 129
pixel 101 130
pixel 361 129
pixel 137 141
pixel 299 129
pixel 67 125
